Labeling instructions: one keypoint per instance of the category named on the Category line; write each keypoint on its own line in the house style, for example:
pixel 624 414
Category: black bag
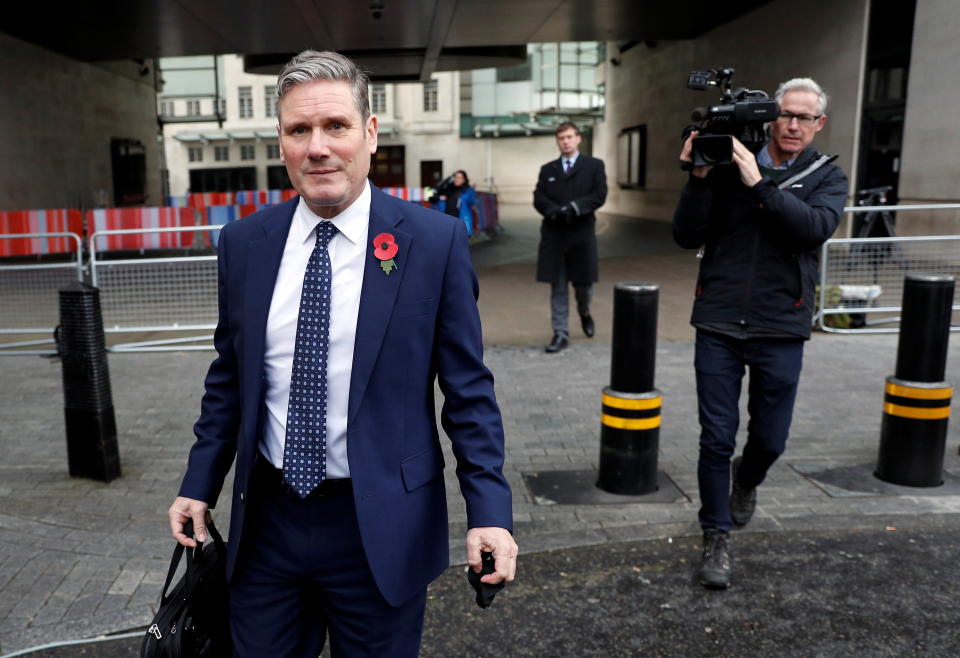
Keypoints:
pixel 193 620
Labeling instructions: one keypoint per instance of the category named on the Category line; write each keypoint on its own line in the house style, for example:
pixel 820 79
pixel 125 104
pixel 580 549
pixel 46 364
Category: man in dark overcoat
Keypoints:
pixel 568 192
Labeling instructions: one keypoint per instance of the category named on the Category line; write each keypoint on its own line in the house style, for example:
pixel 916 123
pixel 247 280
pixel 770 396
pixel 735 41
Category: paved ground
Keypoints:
pixel 78 558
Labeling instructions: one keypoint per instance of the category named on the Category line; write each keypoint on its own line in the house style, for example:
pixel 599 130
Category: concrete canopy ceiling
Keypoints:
pixel 394 39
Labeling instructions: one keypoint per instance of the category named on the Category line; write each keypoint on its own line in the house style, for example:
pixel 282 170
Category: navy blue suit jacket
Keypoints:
pixel 417 325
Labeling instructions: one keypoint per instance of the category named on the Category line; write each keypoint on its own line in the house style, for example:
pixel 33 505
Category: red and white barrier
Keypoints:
pixel 58 220
pixel 110 219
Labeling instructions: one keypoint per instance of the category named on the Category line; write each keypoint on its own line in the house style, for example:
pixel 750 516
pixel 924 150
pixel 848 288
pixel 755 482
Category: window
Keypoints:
pixel 223 106
pixel 632 157
pixel 221 153
pixel 193 107
pixel 247 152
pixel 166 109
pixel 195 153
pixel 270 101
pixel 273 151
pixel 245 95
pixel 430 96
pixel 520 73
pixel 378 99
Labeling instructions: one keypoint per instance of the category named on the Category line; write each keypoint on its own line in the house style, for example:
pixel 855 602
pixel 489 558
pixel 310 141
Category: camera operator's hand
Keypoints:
pixel 746 162
pixel 686 155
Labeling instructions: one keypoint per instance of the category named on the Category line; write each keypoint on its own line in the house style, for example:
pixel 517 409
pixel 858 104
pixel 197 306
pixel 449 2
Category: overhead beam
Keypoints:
pixel 443 14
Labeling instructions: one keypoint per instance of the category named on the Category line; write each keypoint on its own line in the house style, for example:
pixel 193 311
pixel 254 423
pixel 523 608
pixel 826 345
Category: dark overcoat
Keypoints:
pixel 573 242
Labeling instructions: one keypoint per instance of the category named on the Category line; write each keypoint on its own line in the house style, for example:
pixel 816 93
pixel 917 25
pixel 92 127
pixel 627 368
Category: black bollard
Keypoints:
pixel 916 403
pixel 88 407
pixel 630 420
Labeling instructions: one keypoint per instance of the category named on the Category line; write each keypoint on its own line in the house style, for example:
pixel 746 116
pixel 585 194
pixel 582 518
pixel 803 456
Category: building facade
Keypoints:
pixel 888 69
pixel 220 125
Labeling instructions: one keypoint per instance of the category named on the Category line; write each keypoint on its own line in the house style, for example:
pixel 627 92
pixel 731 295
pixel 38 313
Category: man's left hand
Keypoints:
pixel 498 541
pixel 746 162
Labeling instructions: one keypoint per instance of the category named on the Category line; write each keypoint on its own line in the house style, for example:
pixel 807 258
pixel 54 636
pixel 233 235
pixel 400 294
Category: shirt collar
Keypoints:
pixel 572 159
pixel 351 222
pixel 765 160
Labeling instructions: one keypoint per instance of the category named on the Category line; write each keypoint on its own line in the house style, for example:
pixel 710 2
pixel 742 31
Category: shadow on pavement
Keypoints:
pixel 883 592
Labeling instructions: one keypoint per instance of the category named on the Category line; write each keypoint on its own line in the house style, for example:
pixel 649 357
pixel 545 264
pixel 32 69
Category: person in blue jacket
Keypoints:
pixel 459 199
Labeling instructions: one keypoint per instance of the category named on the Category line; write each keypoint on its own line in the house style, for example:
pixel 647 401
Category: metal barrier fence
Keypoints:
pixel 29 296
pixel 861 279
pixel 156 294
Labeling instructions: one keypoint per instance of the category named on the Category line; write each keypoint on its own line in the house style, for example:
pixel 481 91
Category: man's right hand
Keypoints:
pixel 686 155
pixel 183 510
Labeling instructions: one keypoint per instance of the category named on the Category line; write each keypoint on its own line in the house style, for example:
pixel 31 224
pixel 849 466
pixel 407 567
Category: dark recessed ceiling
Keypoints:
pixel 394 38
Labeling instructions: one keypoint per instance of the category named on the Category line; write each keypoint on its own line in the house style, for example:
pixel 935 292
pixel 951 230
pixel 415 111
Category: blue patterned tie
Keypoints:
pixel 305 448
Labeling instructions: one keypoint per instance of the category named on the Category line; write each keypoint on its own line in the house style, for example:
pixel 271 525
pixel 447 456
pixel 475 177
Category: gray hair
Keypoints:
pixel 311 65
pixel 803 84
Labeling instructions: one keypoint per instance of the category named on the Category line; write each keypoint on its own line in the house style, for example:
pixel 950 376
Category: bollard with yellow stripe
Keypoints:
pixel 629 441
pixel 913 433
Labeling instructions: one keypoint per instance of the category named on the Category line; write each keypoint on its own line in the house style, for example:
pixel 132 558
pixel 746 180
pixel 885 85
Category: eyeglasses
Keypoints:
pixel 802 119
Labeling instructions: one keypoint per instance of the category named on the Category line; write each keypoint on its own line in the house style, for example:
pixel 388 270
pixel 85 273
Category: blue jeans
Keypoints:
pixel 720 364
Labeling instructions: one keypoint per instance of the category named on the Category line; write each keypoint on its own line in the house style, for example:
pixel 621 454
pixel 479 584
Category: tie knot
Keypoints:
pixel 325 233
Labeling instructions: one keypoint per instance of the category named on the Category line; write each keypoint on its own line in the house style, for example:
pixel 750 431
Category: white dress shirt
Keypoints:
pixel 347 252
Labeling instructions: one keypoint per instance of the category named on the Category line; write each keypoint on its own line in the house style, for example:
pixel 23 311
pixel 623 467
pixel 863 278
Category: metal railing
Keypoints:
pixel 149 295
pixel 29 296
pixel 861 279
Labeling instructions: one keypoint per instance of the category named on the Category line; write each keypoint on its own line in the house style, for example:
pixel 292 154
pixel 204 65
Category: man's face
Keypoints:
pixel 788 138
pixel 325 144
pixel 569 141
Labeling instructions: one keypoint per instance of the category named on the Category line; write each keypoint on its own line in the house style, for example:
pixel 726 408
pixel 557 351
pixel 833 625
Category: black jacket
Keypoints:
pixel 572 243
pixel 761 253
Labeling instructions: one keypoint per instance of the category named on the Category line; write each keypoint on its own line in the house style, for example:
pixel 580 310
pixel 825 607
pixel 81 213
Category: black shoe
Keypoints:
pixel 558 343
pixel 743 501
pixel 586 321
pixel 715 569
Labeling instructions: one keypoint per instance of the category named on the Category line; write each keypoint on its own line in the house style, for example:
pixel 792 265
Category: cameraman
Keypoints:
pixel 760 223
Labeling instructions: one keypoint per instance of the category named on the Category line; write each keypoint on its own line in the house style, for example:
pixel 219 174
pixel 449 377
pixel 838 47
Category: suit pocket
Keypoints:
pixel 413 309
pixel 421 468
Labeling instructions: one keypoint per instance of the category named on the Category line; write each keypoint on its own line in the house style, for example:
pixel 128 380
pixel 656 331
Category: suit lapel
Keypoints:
pixel 263 264
pixel 378 296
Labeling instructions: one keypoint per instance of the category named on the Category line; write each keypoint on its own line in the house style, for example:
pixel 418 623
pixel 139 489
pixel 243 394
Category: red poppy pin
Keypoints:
pixel 385 247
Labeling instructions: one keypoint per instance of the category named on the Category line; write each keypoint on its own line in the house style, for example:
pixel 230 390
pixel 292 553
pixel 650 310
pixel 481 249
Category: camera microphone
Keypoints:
pixel 699 114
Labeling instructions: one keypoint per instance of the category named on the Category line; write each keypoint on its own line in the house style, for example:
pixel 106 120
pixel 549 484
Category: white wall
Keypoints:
pixel 57 116
pixel 823 40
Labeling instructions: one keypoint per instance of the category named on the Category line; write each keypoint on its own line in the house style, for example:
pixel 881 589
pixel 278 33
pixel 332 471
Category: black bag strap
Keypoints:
pixel 194 555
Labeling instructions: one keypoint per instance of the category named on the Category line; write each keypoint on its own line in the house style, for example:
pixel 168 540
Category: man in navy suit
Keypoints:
pixel 350 552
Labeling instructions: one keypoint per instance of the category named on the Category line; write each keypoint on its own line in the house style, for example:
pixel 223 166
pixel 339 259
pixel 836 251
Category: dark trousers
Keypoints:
pixel 303 574
pixel 720 364
pixel 560 302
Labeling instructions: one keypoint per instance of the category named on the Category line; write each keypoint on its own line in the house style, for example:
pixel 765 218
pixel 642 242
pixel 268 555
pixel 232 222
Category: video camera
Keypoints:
pixel 742 113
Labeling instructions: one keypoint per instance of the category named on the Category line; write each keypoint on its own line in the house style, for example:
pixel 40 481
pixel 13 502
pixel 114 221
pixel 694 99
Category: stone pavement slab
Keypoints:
pixel 79 557
pixel 873 592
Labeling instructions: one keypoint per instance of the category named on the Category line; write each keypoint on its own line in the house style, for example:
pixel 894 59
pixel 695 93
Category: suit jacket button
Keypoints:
pixel 241 497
